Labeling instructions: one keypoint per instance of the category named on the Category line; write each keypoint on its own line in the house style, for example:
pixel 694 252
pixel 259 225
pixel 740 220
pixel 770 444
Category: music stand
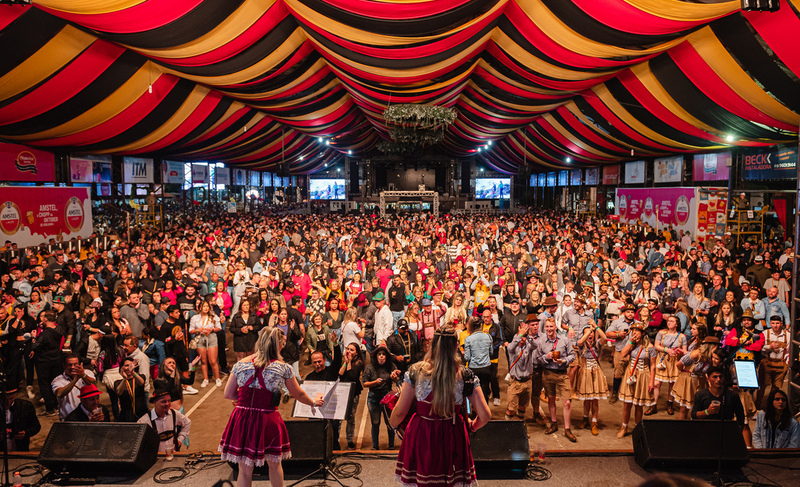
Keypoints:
pixel 338 397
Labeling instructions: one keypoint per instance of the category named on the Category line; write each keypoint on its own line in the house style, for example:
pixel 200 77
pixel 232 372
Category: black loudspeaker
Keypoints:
pixel 466 170
pixel 100 448
pixel 501 449
pixel 312 445
pixel 668 444
pixel 355 181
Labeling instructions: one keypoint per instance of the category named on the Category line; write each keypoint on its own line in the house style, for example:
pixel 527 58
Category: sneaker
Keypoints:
pixel 204 383
pixel 190 390
pixel 218 382
pixel 31 395
pixel 48 412
pixel 496 401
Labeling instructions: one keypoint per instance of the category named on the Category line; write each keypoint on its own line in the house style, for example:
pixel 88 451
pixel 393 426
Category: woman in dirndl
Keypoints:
pixel 591 382
pixel 255 432
pixel 436 450
pixel 670 344
pixel 638 383
pixel 692 367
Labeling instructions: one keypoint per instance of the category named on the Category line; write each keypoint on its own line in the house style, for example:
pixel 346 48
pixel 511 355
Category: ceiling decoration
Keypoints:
pixel 247 81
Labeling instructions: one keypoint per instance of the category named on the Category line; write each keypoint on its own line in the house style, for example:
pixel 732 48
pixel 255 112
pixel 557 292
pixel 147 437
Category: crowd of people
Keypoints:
pixel 361 299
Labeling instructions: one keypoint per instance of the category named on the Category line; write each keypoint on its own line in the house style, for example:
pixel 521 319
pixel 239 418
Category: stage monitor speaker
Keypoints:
pixel 501 449
pixel 668 444
pixel 312 445
pixel 100 448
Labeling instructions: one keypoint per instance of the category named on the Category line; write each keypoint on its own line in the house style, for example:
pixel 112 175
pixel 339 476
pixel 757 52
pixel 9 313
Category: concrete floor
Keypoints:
pixel 209 413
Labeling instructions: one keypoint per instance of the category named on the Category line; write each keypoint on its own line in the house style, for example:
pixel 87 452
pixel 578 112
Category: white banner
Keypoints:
pixel 172 172
pixel 222 175
pixel 137 170
pixel 634 172
pixel 199 174
pixel 668 170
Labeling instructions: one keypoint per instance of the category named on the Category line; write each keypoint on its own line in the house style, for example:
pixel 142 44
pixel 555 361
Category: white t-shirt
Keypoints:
pixel 349 336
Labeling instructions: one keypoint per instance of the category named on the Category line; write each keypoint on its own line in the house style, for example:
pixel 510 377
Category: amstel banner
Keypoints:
pixel 32 216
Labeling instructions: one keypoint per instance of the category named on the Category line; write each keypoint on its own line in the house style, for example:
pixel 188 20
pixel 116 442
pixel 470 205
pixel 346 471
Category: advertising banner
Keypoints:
pixel 563 178
pixel 771 164
pixel 575 177
pixel 266 179
pixel 668 170
pixel 711 167
pixel 32 216
pixel 81 170
pixel 137 170
pixel 222 175
pixel 172 172
pixel 551 179
pixel 634 172
pixel 591 176
pixel 667 206
pixel 711 206
pixel 255 178
pixel 21 163
pixel 611 175
pixel 199 174
pixel 239 177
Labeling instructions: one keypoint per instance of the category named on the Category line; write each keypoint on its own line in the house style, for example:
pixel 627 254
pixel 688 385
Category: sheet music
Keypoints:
pixel 335 395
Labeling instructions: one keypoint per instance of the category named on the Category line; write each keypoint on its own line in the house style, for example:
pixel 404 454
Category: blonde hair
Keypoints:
pixel 268 346
pixel 441 364
pixel 349 315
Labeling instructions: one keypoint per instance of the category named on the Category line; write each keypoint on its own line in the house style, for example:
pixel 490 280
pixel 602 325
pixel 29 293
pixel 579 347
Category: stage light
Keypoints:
pixel 729 138
pixel 245 128
pixel 568 160
pixel 480 149
pixel 320 139
pixel 349 153
pixel 327 142
pixel 489 143
pixel 150 89
pixel 481 169
pixel 761 5
pixel 302 157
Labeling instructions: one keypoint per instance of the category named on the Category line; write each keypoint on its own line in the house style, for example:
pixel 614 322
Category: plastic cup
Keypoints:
pixel 715 403
pixel 170 453
pixel 541 449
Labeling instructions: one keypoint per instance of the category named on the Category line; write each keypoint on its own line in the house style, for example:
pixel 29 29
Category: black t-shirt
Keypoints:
pixel 731 407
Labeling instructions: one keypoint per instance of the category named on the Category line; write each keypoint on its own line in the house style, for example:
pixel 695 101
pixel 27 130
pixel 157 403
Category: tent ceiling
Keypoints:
pixel 257 82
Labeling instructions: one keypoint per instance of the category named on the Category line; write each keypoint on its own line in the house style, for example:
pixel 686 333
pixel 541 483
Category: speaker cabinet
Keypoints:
pixel 670 444
pixel 501 449
pixel 312 445
pixel 100 448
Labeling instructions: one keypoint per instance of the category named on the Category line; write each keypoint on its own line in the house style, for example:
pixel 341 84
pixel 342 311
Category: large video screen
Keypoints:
pixel 326 189
pixel 493 189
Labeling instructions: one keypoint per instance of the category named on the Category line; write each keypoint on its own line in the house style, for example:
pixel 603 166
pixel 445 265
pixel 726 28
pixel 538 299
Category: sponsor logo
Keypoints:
pixel 648 207
pixel 73 214
pixel 623 205
pixel 26 162
pixel 10 218
pixel 682 210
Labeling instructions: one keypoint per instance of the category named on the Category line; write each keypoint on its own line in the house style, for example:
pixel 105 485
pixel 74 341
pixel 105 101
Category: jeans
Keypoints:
pixel 375 413
pixel 351 418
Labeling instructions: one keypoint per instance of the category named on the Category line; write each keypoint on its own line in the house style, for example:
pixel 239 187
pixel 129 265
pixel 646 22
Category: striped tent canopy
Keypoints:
pixel 256 82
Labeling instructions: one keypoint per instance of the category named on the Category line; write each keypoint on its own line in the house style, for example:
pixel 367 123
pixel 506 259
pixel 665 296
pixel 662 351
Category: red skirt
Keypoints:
pixel 254 436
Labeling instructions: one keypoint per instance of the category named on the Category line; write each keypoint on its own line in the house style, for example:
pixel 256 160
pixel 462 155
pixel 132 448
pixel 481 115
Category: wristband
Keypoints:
pixel 706 411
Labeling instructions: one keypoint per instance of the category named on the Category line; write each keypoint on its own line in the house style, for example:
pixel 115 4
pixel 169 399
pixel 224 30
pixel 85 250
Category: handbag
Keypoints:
pixel 193 343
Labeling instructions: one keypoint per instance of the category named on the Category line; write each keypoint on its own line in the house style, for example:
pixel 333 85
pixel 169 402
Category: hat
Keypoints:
pixel 629 307
pixel 402 323
pixel 384 349
pixel 581 298
pixel 362 300
pixel 159 392
pixel 711 340
pixel 745 282
pixel 776 318
pixel 759 258
pixel 637 325
pixel 515 301
pixel 531 317
pixel 549 301
pixel 97 303
pixel 59 299
pixel 90 390
pixel 748 313
pixel 379 296
pixel 437 291
pixel 426 302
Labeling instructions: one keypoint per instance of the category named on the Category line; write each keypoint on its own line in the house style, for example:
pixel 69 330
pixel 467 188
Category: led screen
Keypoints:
pixel 326 189
pixel 493 188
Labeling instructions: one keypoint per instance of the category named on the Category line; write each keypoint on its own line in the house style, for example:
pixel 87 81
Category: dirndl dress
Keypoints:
pixel 636 382
pixel 435 451
pixel 666 365
pixel 591 382
pixel 255 432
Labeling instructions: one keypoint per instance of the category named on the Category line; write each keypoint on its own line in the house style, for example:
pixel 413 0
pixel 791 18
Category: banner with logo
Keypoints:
pixel 33 216
pixel 575 177
pixel 199 174
pixel 667 206
pixel 611 175
pixel 591 176
pixel 711 206
pixel 634 172
pixel 21 163
pixel 81 170
pixel 222 175
pixel 172 172
pixel 137 170
pixel 668 169
pixel 771 164
pixel 712 167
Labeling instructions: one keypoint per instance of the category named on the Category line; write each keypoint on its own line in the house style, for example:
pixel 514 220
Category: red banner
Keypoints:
pixel 32 216
pixel 611 175
pixel 21 163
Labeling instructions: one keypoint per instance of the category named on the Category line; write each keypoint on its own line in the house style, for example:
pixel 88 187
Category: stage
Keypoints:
pixel 573 468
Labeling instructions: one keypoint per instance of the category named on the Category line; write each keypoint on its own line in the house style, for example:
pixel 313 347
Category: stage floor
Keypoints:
pixel 597 470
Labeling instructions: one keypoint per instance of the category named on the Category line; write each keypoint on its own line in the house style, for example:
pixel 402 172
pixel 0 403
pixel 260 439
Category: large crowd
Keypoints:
pixel 360 299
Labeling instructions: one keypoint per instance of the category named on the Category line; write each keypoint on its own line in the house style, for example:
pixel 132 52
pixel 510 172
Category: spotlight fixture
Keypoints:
pixel 729 138
pixel 349 153
pixel 568 159
pixel 761 5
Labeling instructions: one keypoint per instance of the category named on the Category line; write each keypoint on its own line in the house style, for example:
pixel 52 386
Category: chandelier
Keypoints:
pixel 413 126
